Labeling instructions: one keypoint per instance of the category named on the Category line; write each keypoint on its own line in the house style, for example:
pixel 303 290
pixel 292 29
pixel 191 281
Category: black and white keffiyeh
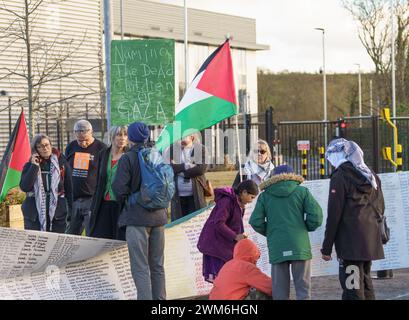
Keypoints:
pixel 41 197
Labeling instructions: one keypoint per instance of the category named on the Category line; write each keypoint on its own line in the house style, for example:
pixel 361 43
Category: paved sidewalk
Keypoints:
pixel 396 288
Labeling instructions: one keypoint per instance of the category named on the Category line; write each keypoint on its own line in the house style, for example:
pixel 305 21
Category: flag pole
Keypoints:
pixel 238 149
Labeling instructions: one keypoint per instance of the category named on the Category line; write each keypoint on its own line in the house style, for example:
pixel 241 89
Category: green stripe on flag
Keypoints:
pixel 198 116
pixel 12 180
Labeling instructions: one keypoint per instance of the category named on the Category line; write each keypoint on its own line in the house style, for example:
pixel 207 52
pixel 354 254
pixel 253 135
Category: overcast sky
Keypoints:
pixel 287 26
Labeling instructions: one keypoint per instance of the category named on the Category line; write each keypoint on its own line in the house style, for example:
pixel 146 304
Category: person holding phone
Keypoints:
pixel 46 179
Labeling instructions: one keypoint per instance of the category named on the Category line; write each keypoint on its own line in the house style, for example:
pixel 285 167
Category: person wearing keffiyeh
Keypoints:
pixel 46 179
pixel 354 205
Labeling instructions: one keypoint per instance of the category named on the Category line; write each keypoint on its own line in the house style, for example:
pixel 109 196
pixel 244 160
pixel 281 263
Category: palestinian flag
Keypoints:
pixel 15 157
pixel 210 99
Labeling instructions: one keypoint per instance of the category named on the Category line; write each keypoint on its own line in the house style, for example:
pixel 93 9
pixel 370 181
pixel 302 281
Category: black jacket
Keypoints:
pixel 100 188
pixel 352 222
pixel 128 180
pixel 64 204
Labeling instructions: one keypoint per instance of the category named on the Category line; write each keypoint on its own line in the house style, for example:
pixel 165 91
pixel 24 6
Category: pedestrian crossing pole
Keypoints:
pixel 304 164
pixel 322 162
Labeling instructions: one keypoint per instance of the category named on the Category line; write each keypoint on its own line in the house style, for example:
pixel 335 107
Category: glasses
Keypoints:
pixel 82 131
pixel 43 146
pixel 260 151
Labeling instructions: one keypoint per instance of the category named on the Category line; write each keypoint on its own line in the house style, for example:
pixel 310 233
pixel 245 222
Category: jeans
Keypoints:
pixel 355 279
pixel 146 247
pixel 80 217
pixel 280 275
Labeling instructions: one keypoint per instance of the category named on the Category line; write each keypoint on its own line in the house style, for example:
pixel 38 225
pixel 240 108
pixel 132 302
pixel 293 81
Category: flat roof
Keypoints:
pixel 148 19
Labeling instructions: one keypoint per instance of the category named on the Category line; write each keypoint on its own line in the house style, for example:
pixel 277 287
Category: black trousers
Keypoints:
pixel 355 279
pixel 187 205
pixel 106 223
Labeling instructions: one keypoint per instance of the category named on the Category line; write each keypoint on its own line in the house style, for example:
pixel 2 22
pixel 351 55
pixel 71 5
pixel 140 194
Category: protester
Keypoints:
pixel 224 226
pixel 240 274
pixel 285 212
pixel 83 155
pixel 259 166
pixel 355 202
pixel 144 228
pixel 187 158
pixel 46 178
pixel 105 209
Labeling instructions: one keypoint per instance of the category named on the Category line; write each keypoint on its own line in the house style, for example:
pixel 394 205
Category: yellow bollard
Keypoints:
pixel 399 161
pixel 322 162
pixel 304 164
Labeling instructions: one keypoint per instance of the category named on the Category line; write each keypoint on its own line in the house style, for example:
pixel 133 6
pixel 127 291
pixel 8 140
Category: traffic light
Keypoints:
pixel 341 128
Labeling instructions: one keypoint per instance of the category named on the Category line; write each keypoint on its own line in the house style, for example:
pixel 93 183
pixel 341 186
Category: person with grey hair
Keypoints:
pixel 46 179
pixel 83 155
pixel 355 205
pixel 104 208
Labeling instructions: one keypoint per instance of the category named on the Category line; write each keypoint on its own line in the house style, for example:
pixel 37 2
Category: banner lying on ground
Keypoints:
pixel 39 265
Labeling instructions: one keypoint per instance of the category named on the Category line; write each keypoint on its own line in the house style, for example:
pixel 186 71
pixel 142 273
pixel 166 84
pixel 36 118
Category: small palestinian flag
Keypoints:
pixel 210 99
pixel 16 155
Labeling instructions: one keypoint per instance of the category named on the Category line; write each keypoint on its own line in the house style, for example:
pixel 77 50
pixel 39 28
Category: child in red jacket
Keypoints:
pixel 240 274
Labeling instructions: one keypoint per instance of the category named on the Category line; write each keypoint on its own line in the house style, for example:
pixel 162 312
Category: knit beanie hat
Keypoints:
pixel 138 132
pixel 283 169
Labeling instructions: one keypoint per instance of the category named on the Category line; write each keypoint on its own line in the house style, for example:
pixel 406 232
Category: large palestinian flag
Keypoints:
pixel 210 99
pixel 16 155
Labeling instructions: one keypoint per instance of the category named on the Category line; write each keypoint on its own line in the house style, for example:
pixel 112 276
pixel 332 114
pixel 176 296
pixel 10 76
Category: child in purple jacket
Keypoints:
pixel 224 227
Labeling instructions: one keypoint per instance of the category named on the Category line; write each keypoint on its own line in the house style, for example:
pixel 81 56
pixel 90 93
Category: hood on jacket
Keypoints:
pixel 355 177
pixel 282 185
pixel 224 192
pixel 246 250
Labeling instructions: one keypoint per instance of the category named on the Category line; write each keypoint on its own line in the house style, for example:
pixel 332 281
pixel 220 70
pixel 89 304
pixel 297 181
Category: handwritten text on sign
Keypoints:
pixel 142 81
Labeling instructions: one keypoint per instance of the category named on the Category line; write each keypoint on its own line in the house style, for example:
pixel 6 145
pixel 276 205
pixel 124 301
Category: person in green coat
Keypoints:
pixel 285 212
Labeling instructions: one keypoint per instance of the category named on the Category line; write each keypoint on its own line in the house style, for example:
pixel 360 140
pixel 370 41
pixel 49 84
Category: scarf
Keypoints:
pixel 354 154
pixel 41 197
pixel 258 172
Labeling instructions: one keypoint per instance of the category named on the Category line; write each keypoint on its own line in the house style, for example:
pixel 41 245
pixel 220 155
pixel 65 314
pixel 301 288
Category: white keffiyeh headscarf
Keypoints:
pixel 41 197
pixel 341 150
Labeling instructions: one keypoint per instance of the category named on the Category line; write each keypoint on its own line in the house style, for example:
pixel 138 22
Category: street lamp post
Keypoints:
pixel 186 47
pixel 324 79
pixel 324 82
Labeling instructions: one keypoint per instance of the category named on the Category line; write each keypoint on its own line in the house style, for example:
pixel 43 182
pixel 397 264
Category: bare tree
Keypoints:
pixel 44 60
pixel 374 30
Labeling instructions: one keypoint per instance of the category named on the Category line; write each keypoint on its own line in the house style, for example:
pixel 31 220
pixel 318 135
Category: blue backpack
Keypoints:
pixel 157 185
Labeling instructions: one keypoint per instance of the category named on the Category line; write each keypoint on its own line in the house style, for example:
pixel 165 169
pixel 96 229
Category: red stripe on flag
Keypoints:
pixel 218 78
pixel 22 151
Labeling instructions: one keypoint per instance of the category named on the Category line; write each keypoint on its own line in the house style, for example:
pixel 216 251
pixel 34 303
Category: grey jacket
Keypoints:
pixel 128 180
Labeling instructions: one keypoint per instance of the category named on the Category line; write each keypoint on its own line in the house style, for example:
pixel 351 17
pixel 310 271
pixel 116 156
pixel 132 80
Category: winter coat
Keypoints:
pixel 100 188
pixel 29 177
pixel 352 222
pixel 195 174
pixel 128 180
pixel 225 222
pixel 285 212
pixel 239 275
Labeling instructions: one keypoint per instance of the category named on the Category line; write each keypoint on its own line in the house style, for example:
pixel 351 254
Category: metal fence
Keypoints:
pixel 370 133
